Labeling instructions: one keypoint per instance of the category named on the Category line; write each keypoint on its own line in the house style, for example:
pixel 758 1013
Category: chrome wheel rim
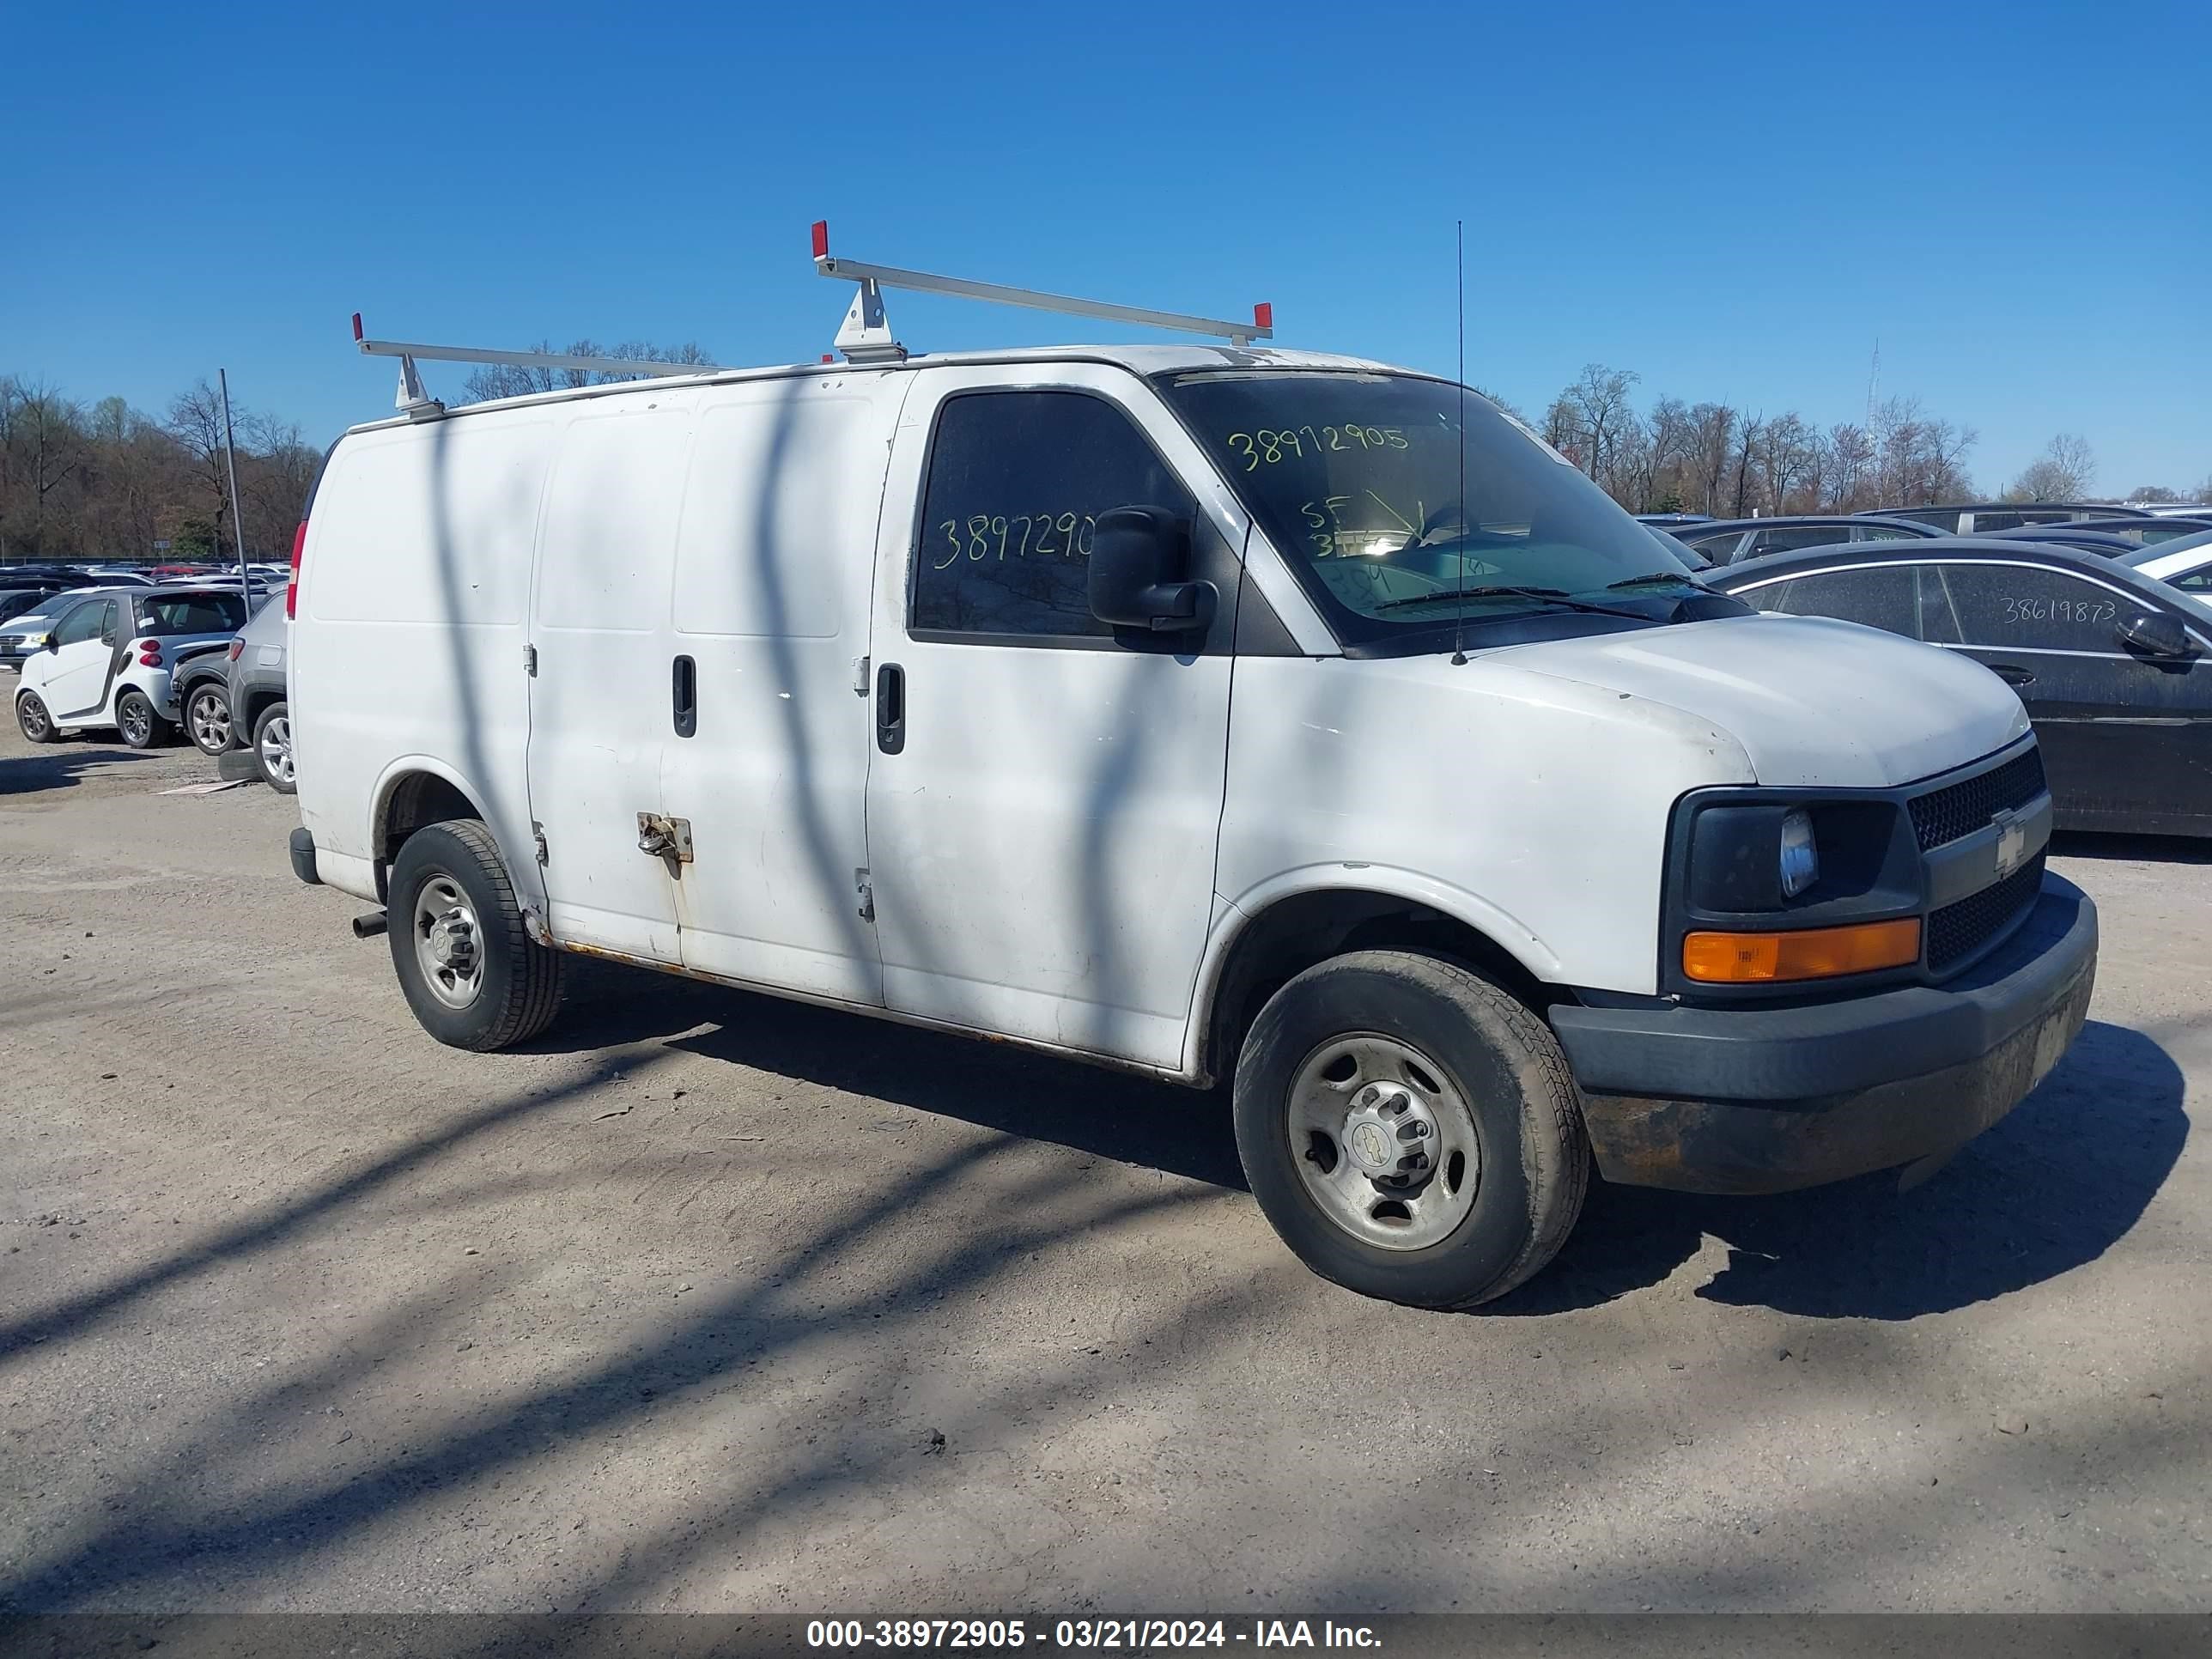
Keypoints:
pixel 137 724
pixel 31 715
pixel 1383 1142
pixel 276 748
pixel 209 716
pixel 447 945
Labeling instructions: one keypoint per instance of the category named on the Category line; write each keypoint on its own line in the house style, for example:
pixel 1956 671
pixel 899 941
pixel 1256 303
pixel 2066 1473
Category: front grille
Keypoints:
pixel 1941 815
pixel 1956 931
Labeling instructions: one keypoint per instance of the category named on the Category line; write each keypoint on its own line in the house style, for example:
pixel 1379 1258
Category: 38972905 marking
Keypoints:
pixel 1271 446
pixel 986 1634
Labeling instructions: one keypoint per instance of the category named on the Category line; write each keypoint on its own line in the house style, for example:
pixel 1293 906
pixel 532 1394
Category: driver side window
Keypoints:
pixel 87 622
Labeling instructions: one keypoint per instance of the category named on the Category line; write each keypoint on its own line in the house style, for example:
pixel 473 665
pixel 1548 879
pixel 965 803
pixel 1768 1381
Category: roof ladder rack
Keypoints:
pixel 865 335
pixel 419 405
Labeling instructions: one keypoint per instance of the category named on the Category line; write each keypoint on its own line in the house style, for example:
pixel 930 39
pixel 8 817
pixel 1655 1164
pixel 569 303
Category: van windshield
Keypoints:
pixel 1356 478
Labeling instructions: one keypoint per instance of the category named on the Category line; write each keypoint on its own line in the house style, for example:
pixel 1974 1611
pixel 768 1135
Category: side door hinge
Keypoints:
pixel 537 835
pixel 859 677
pixel 868 892
pixel 530 661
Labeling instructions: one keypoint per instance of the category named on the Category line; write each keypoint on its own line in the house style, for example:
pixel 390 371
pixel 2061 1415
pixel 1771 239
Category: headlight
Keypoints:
pixel 1800 859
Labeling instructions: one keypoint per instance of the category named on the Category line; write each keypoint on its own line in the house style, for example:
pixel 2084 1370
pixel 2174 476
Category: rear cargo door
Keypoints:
pixel 601 642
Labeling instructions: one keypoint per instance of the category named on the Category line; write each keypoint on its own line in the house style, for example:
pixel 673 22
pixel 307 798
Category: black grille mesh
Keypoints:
pixel 1956 931
pixel 1944 815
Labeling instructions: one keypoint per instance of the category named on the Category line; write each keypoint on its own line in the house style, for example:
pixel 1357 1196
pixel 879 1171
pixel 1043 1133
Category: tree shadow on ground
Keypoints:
pixel 1127 1117
pixel 2054 1185
pixel 64 766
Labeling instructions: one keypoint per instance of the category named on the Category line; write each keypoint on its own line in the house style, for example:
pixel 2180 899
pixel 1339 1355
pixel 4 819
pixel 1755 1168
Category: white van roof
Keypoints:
pixel 1142 360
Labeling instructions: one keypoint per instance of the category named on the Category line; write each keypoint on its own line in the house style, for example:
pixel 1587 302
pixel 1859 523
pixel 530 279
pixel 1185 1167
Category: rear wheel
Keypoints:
pixel 207 717
pixel 31 715
pixel 469 968
pixel 1413 1131
pixel 272 748
pixel 136 719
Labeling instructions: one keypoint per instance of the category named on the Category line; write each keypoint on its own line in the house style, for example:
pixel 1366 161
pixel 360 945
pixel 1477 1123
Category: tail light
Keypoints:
pixel 291 588
pixel 237 650
pixel 149 653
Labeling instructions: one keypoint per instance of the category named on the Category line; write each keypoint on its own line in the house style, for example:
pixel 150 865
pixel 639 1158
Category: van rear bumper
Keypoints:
pixel 1764 1100
pixel 302 849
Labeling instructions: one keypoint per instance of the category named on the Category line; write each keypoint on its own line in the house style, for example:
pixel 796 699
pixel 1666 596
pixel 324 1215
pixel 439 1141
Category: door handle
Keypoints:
pixel 890 708
pixel 2012 673
pixel 685 693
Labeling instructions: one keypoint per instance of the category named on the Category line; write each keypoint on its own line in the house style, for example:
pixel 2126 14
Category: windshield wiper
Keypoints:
pixel 1557 596
pixel 1655 577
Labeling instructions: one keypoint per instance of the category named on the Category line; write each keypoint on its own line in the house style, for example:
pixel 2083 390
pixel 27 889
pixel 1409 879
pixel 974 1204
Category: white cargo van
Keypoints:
pixel 1239 715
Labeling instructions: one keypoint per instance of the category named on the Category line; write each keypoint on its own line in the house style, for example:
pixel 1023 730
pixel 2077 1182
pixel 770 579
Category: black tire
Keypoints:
pixel 138 722
pixel 521 988
pixel 32 718
pixel 272 749
pixel 207 718
pixel 1506 1066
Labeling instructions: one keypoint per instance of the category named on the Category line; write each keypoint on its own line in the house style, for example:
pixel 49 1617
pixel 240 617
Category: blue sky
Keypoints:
pixel 1732 201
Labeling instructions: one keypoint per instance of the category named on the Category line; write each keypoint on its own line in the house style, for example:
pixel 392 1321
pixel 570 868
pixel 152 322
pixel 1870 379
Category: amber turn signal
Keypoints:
pixel 1809 953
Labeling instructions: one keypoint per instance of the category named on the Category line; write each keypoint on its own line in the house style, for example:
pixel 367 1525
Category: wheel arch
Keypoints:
pixel 1281 928
pixel 416 791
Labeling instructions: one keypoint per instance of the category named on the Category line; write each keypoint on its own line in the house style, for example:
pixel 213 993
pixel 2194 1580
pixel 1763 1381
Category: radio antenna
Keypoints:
pixel 1458 622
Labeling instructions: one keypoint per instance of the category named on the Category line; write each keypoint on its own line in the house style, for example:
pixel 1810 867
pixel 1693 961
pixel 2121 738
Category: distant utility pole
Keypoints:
pixel 1874 382
pixel 237 517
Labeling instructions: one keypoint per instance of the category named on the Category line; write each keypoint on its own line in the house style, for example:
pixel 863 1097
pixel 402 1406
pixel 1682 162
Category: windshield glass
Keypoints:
pixel 1358 478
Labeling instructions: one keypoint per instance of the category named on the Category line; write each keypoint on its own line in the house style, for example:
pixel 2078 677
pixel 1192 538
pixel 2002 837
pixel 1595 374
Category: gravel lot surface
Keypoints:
pixel 713 1303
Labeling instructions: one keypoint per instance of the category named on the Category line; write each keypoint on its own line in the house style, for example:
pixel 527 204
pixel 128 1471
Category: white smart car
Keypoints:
pixel 106 660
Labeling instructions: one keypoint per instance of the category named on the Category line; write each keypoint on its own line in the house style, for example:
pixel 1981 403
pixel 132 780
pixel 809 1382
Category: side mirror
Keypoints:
pixel 2155 634
pixel 1139 573
pixel 53 641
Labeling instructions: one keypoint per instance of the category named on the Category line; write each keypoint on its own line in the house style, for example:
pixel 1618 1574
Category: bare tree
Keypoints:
pixel 1712 434
pixel 2064 472
pixel 1595 409
pixel 2152 494
pixel 510 380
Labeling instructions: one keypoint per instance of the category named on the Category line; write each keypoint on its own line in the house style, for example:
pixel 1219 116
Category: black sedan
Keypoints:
pixel 2115 668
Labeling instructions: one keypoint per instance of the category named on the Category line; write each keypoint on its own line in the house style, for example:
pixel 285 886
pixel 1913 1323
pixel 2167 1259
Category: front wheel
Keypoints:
pixel 31 715
pixel 137 720
pixel 1411 1131
pixel 469 968
pixel 207 718
pixel 272 749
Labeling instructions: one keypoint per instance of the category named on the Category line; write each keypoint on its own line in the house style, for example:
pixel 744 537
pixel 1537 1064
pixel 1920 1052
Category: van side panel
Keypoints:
pixel 409 638
pixel 599 712
pixel 771 604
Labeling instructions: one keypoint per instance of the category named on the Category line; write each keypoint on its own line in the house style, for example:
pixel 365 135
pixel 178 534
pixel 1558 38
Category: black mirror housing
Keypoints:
pixel 1139 573
pixel 53 642
pixel 2154 634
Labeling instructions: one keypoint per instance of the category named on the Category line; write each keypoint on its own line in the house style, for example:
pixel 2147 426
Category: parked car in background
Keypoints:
pixel 27 599
pixel 2186 564
pixel 2114 667
pixel 2144 532
pixel 2170 509
pixel 108 658
pixel 25 633
pixel 1670 521
pixel 2073 536
pixel 1979 517
pixel 1726 541
pixel 255 687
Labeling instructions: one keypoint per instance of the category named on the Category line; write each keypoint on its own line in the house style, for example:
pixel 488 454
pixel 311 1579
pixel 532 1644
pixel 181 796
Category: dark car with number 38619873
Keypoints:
pixel 2115 667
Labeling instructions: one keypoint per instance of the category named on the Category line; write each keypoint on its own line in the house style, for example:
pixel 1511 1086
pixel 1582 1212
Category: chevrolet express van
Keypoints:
pixel 1237 715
